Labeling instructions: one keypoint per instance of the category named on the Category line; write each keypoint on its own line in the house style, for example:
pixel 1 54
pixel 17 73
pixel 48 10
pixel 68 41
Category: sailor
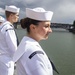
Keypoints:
pixel 2 19
pixel 8 40
pixel 30 58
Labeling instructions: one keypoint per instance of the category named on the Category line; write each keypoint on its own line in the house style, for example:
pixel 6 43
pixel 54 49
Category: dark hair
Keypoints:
pixel 7 13
pixel 26 22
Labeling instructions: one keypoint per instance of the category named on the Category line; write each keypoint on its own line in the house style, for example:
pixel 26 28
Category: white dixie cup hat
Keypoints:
pixel 12 8
pixel 2 19
pixel 39 14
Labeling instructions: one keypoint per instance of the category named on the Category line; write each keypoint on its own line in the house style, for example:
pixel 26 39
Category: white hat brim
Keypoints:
pixel 12 9
pixel 42 16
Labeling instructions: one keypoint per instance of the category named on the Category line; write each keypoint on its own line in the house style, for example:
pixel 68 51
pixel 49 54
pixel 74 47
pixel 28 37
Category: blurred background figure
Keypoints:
pixel 2 19
pixel 8 40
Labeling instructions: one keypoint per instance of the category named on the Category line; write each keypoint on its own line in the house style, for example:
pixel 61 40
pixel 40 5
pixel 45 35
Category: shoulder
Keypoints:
pixel 29 44
pixel 6 26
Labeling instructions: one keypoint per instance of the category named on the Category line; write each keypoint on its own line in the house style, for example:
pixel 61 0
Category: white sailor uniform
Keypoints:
pixel 31 59
pixel 8 45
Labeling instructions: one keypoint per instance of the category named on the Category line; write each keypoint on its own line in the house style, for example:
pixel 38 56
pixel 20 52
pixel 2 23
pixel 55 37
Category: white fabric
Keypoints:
pixel 2 19
pixel 39 64
pixel 8 45
pixel 6 65
pixel 39 14
pixel 12 9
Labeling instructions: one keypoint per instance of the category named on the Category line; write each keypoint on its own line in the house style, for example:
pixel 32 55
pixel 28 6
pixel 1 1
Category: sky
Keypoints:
pixel 64 10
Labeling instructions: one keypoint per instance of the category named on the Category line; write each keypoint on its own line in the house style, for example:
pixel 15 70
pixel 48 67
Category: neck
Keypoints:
pixel 8 19
pixel 33 37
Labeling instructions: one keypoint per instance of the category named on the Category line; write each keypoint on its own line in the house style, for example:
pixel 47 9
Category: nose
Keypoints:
pixel 50 30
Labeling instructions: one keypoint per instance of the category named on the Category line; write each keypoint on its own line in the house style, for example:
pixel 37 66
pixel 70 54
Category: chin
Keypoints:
pixel 45 38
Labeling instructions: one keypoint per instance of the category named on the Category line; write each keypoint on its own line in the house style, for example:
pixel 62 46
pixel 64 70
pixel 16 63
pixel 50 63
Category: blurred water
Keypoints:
pixel 60 47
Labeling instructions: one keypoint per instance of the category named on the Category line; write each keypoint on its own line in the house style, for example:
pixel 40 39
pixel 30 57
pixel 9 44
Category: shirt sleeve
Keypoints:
pixel 38 65
pixel 39 71
pixel 11 40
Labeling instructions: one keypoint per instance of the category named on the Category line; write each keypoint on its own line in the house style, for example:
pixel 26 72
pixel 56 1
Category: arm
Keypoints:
pixel 38 65
pixel 11 40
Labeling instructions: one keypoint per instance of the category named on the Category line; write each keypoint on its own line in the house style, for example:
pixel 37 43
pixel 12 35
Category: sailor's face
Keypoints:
pixel 15 17
pixel 43 30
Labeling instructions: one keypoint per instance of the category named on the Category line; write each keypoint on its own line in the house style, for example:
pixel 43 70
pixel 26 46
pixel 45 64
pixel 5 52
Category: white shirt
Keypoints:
pixel 37 64
pixel 8 43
